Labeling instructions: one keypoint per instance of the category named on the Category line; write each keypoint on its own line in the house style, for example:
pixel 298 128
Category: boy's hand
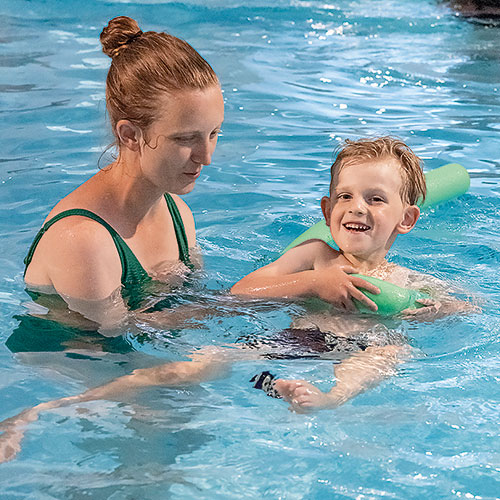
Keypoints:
pixel 336 285
pixel 434 309
pixel 302 396
pixel 430 310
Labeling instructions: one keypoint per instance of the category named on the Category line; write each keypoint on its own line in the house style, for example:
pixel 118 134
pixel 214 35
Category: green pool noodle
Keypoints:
pixel 443 184
pixel 392 298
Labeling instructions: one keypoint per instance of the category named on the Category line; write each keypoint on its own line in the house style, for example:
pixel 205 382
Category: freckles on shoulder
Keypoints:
pixel 393 273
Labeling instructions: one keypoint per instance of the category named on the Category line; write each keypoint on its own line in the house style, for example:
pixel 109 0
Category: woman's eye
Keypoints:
pixel 184 139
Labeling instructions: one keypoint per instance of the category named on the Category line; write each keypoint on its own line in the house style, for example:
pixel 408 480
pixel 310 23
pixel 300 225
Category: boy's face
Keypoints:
pixel 365 211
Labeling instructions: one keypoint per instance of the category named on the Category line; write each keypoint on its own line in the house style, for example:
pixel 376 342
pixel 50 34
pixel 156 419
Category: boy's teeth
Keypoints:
pixel 356 226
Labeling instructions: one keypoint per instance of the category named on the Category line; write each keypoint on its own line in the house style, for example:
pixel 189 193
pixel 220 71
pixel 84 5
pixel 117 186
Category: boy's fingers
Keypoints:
pixel 348 269
pixel 410 312
pixel 361 297
pixel 365 285
pixel 348 305
pixel 421 312
pixel 426 302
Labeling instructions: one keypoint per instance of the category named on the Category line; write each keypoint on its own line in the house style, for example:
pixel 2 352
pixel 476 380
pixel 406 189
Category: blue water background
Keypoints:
pixel 298 78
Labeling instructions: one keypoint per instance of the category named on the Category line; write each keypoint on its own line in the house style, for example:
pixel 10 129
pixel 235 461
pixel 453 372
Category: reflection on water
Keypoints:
pixel 35 334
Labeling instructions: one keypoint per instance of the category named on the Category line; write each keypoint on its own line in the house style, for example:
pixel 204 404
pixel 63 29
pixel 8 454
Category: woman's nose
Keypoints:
pixel 202 153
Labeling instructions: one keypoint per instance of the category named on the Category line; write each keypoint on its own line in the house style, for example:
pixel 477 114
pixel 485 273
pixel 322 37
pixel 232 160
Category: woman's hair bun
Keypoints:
pixel 120 31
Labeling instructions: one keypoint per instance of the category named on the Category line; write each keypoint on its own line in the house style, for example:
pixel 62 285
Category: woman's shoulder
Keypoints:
pixel 71 234
pixel 74 251
pixel 182 206
pixel 75 220
pixel 76 238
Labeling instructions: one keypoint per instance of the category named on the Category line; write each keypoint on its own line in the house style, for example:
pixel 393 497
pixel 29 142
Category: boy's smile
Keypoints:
pixel 356 227
pixel 365 211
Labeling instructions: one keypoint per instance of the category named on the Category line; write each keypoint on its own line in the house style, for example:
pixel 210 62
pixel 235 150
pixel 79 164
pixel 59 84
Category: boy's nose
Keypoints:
pixel 357 206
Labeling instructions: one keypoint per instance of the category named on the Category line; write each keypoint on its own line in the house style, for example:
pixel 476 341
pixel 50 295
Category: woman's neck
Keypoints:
pixel 129 192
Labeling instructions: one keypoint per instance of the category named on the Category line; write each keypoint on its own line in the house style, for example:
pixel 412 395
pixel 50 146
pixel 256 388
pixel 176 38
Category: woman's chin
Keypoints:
pixel 187 188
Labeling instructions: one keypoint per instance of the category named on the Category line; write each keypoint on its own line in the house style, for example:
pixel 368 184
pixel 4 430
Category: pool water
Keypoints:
pixel 298 78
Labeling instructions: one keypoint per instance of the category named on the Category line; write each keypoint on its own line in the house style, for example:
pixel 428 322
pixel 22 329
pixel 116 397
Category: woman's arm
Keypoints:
pixel 78 258
pixel 207 363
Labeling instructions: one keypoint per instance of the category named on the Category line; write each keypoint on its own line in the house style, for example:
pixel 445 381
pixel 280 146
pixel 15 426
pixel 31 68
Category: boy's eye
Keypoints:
pixel 378 199
pixel 344 196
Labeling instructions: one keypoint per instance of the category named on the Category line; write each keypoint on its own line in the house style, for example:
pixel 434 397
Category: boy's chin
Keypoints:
pixel 349 246
pixel 360 252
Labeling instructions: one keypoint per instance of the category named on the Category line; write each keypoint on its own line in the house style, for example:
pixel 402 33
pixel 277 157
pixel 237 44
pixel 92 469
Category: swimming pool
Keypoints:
pixel 298 77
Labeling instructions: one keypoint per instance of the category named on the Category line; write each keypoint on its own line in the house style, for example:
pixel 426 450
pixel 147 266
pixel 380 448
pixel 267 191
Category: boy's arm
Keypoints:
pixel 304 271
pixel 442 302
pixel 354 375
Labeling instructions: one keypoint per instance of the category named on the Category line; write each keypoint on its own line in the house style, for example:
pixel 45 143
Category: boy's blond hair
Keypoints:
pixel 413 181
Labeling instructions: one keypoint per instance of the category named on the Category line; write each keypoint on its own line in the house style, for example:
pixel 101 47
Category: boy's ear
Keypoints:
pixel 410 218
pixel 326 208
pixel 128 134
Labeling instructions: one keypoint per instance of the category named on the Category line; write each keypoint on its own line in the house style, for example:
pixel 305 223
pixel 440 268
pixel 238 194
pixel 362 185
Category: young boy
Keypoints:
pixel 374 189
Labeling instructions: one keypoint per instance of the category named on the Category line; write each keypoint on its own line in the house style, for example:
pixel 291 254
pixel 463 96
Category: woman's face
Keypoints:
pixel 182 139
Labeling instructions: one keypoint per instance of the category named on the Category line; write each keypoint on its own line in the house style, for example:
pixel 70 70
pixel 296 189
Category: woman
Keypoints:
pixel 126 225
pixel 120 229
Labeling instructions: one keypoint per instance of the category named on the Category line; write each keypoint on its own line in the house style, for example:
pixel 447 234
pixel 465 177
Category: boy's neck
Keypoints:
pixel 363 266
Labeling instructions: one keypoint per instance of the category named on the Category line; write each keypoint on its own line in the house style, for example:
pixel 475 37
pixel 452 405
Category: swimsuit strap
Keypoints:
pixel 180 232
pixel 132 270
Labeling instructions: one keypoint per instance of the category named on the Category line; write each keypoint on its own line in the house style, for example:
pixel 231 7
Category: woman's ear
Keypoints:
pixel 326 208
pixel 410 218
pixel 128 134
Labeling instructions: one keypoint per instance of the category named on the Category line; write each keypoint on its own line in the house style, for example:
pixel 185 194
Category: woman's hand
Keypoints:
pixel 12 432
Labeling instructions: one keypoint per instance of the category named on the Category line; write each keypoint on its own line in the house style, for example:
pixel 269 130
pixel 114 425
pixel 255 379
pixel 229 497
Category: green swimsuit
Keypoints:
pixel 37 334
pixel 133 274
